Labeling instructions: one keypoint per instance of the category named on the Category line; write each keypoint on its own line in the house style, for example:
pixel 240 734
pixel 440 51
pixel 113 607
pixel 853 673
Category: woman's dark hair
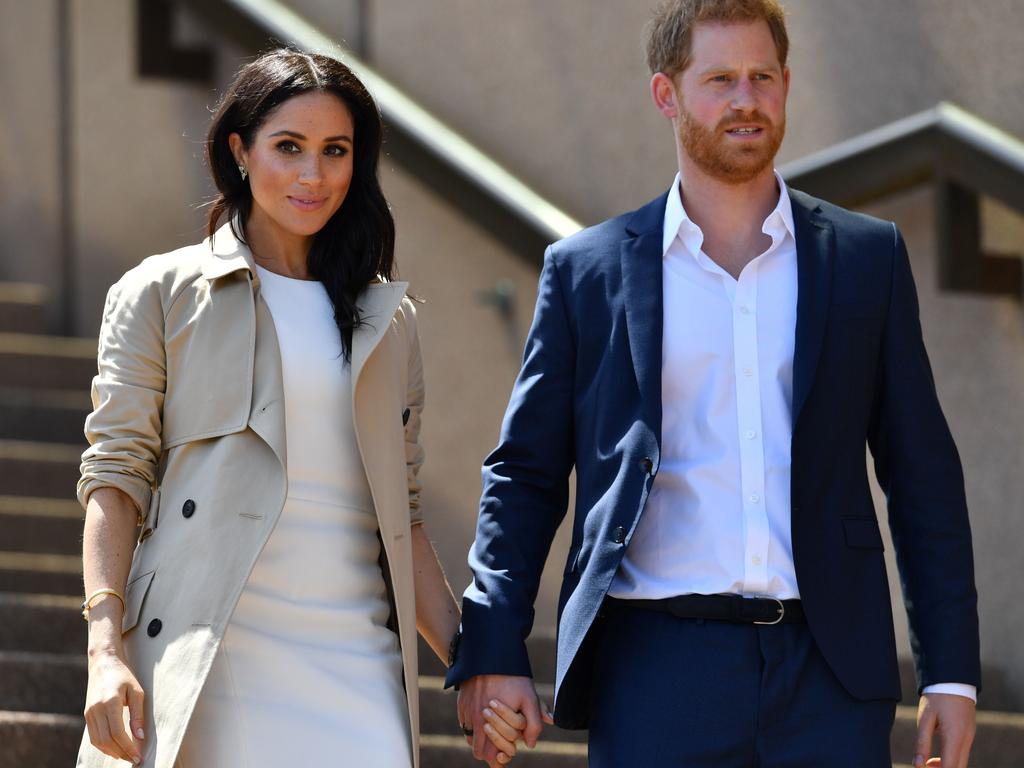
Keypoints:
pixel 357 244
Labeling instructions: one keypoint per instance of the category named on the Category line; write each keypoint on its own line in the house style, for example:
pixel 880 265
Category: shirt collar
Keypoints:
pixel 777 225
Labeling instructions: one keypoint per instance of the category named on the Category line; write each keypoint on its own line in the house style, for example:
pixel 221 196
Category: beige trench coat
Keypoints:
pixel 188 407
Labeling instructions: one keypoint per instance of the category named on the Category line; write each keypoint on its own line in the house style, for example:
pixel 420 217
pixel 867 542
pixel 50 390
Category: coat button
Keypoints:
pixel 619 535
pixel 188 508
pixel 154 627
pixel 647 465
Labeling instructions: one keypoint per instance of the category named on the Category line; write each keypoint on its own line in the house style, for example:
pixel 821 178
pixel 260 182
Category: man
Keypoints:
pixel 712 365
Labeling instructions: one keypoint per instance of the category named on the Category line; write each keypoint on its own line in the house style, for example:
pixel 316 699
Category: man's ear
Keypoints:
pixel 665 95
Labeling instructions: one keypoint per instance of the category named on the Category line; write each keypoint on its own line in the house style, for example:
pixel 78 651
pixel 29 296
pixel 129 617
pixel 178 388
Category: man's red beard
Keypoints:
pixel 710 149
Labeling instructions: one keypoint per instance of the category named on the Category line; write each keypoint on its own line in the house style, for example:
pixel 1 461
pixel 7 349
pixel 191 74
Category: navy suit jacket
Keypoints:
pixel 589 397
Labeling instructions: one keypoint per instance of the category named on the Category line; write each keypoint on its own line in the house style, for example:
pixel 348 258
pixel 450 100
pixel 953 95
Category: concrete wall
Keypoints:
pixel 30 170
pixel 533 81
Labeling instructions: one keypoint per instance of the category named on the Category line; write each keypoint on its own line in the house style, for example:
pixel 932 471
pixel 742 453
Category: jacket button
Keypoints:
pixel 619 535
pixel 154 627
pixel 188 508
pixel 647 465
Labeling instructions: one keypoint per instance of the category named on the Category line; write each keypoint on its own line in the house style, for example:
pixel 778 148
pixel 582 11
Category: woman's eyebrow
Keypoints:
pixel 300 137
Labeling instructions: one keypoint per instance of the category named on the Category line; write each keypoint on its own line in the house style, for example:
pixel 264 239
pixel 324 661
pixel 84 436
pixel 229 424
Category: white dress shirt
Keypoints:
pixel 717 520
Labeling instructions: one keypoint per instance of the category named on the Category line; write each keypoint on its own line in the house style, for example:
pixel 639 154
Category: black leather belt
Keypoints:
pixel 732 608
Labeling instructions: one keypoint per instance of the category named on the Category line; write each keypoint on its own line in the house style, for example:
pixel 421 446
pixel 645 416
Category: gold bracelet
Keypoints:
pixel 87 605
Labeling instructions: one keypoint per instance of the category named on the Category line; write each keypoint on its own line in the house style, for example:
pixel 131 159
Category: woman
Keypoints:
pixel 255 437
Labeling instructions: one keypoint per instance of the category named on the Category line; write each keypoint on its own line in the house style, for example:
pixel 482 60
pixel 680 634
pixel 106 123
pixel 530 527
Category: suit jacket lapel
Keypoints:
pixel 641 258
pixel 815 251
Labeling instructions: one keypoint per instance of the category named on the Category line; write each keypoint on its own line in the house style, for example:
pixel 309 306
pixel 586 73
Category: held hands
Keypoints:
pixel 952 718
pixel 496 711
pixel 112 687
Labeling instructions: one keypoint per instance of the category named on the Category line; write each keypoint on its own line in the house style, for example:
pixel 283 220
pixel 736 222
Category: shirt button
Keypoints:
pixel 755 498
pixel 745 310
pixel 751 434
pixel 748 371
pixel 755 560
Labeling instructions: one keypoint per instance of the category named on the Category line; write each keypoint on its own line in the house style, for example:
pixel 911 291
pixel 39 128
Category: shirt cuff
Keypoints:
pixel 957 689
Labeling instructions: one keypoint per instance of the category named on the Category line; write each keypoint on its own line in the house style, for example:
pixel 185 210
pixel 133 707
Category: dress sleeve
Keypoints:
pixel 124 428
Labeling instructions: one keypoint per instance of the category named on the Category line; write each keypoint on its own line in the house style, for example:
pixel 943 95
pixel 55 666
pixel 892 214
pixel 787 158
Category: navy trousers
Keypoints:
pixel 689 693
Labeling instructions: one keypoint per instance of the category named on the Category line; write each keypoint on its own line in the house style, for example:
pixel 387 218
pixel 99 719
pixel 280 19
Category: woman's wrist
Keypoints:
pixel 105 629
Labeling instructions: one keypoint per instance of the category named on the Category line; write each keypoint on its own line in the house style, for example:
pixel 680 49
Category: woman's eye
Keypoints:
pixel 334 150
pixel 288 147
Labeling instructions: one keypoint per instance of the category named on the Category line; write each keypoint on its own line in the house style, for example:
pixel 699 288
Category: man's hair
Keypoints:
pixel 670 31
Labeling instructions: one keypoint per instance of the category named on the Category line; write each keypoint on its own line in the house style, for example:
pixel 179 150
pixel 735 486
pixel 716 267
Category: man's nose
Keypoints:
pixel 743 97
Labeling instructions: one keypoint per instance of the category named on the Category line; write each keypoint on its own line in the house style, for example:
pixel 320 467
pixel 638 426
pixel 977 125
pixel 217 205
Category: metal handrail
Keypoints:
pixel 402 112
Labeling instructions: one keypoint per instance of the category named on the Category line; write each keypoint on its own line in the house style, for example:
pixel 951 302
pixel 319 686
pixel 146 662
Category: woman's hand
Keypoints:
pixel 112 687
pixel 504 727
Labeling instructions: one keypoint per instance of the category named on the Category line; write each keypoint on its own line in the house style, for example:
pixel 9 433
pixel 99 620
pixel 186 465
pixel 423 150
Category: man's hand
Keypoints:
pixel 516 693
pixel 952 717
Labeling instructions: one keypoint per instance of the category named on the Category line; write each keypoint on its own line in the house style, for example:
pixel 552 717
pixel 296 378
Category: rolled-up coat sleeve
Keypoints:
pixel 414 403
pixel 124 428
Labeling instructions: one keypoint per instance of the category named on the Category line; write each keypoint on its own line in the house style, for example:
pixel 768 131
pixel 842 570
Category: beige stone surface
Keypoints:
pixel 30 170
pixel 533 81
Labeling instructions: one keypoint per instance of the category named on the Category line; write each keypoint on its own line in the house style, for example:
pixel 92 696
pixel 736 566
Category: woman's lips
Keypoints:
pixel 307 203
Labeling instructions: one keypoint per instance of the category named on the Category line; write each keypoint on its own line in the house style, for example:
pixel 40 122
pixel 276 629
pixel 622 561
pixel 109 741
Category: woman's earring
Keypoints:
pixel 241 170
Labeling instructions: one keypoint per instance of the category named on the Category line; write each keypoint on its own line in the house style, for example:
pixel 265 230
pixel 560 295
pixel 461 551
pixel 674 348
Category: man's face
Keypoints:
pixel 732 100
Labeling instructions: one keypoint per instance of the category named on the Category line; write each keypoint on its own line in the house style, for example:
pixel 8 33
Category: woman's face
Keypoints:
pixel 299 163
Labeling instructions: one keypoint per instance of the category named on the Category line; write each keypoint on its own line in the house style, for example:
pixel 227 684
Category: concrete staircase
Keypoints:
pixel 44 385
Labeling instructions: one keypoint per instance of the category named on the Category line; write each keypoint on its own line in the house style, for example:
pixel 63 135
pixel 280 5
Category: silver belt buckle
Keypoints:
pixel 782 612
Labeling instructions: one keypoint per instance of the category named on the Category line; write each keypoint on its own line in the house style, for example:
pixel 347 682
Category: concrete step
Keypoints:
pixel 35 573
pixel 40 525
pixel 42 682
pixel 46 362
pixel 22 308
pixel 36 469
pixel 45 415
pixel 41 623
pixel 34 740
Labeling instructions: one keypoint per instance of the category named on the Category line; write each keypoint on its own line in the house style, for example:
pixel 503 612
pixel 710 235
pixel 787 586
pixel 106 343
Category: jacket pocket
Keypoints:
pixel 862 533
pixel 134 596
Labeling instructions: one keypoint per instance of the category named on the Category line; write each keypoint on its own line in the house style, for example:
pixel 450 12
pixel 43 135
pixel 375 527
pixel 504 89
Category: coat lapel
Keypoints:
pixel 641 257
pixel 377 306
pixel 267 417
pixel 815 252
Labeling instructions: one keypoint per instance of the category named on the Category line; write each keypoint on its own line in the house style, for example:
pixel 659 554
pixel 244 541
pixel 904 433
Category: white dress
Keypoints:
pixel 308 673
